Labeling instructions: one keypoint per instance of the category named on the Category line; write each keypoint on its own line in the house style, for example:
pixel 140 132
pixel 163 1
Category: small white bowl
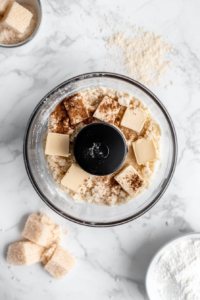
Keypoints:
pixel 151 288
pixel 36 4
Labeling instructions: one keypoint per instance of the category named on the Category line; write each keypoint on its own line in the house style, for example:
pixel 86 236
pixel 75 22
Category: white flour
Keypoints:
pixel 145 54
pixel 177 272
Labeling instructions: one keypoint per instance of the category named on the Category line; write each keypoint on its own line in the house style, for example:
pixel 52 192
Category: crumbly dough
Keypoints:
pixel 103 190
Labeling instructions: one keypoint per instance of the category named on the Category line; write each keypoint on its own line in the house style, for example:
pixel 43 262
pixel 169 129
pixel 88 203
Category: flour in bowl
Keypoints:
pixel 177 272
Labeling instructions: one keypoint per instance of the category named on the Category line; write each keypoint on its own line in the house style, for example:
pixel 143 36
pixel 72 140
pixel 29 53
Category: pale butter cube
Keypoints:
pixel 134 118
pixel 130 180
pixel 144 151
pixel 107 110
pixel 3 5
pixel 41 230
pixel 57 144
pixel 24 253
pixel 74 178
pixel 60 263
pixel 17 17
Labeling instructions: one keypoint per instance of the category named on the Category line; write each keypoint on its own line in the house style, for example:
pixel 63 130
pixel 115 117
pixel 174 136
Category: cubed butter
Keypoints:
pixel 144 151
pixel 3 5
pixel 107 110
pixel 74 178
pixel 134 118
pixel 17 17
pixel 130 180
pixel 24 253
pixel 57 144
pixel 60 263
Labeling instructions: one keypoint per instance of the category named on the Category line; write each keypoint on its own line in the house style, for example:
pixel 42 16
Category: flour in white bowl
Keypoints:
pixel 177 272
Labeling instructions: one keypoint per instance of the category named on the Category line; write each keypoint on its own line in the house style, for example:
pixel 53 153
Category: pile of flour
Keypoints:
pixel 177 272
pixel 145 54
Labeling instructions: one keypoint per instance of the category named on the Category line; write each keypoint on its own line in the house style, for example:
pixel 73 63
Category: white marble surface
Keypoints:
pixel 111 262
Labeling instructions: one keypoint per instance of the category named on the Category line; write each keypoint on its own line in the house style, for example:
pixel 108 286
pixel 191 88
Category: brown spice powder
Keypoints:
pixel 109 108
pixel 76 109
pixel 89 120
pixel 112 105
pixel 113 182
pixel 62 119
pixel 135 181
pixel 59 113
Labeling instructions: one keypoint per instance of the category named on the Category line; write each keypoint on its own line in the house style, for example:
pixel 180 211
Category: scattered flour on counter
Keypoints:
pixel 144 54
pixel 177 272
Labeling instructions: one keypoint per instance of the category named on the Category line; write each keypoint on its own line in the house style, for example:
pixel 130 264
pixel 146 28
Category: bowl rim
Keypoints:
pixel 153 97
pixel 158 254
pixel 30 37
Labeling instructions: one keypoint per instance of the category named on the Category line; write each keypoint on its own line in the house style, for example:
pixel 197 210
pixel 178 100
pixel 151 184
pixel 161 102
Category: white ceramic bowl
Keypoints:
pixel 151 287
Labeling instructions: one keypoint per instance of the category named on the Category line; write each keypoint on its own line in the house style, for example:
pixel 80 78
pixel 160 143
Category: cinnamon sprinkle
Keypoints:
pixel 59 112
pixel 61 118
pixel 111 105
pixel 76 109
pixel 135 181
pixel 89 120
pixel 107 110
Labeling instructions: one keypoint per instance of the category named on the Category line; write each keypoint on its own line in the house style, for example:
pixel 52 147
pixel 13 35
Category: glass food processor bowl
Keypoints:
pixel 86 213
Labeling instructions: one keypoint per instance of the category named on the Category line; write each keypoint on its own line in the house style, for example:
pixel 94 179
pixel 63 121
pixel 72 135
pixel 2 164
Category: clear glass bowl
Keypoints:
pixel 92 214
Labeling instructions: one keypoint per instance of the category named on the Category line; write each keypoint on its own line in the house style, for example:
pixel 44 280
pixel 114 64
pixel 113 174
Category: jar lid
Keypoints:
pixel 100 149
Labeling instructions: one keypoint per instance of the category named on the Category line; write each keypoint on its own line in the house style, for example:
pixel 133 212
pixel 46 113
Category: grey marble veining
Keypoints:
pixel 112 262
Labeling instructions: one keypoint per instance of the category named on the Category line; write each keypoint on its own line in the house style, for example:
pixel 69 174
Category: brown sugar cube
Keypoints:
pixel 17 17
pixel 76 109
pixel 3 5
pixel 41 230
pixel 130 180
pixel 107 110
pixel 24 253
pixel 60 262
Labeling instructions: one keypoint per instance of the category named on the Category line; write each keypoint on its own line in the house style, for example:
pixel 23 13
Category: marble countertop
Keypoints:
pixel 111 262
